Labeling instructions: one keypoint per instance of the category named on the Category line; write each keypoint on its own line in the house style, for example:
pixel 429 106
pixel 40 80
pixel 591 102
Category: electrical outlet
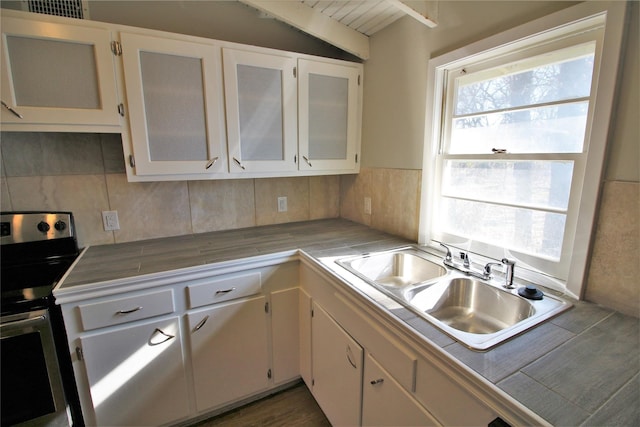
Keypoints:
pixel 367 205
pixel 110 220
pixel 282 204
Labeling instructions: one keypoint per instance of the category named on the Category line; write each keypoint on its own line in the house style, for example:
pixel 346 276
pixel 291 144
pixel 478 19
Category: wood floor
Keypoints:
pixel 292 407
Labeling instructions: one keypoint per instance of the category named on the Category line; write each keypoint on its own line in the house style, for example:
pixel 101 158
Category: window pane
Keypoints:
pixel 544 184
pixel 570 79
pixel 533 232
pixel 552 129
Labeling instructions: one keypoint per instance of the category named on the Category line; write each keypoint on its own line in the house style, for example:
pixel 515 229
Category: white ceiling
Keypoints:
pixel 366 17
pixel 346 24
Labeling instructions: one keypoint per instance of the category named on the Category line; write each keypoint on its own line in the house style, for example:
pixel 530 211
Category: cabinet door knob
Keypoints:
pixel 211 162
pixel 350 358
pixel 201 323
pixel 13 111
pixel 239 163
pixel 165 337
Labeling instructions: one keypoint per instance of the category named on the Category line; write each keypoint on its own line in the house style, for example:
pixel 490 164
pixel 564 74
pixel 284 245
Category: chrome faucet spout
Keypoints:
pixel 447 257
pixel 508 275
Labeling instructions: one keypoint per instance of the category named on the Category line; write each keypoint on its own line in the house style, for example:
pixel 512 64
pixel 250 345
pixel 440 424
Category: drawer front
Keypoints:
pixel 127 309
pixel 224 289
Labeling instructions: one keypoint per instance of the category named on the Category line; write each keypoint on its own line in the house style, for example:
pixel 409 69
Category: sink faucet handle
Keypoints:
pixel 447 257
pixel 466 262
pixel 487 268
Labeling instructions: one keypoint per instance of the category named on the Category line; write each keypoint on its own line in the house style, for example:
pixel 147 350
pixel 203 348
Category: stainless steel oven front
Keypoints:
pixel 32 390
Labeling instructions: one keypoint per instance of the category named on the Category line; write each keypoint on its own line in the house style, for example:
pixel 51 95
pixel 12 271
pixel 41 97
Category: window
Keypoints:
pixel 512 144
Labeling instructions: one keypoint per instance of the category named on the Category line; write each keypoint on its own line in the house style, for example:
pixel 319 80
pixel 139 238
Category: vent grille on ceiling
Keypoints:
pixel 68 8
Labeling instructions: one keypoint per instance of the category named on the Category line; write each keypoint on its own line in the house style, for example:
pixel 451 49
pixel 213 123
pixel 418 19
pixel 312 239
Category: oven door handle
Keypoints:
pixel 23 322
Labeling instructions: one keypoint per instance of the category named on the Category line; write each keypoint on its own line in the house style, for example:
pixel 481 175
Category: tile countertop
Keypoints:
pixel 579 368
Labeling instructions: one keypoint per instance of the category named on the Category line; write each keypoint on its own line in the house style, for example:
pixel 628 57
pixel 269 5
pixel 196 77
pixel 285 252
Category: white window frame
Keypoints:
pixel 612 16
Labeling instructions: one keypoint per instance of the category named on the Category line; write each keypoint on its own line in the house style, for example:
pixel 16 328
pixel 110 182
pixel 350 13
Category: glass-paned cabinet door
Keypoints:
pixel 56 74
pixel 260 92
pixel 174 92
pixel 328 116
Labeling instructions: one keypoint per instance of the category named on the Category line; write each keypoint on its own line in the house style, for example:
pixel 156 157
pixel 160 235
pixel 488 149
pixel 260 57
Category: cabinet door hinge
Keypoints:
pixel 269 374
pixel 358 79
pixel 121 109
pixel 266 307
pixel 79 353
pixel 295 72
pixel 116 48
pixel 313 382
pixel 356 157
pixel 312 312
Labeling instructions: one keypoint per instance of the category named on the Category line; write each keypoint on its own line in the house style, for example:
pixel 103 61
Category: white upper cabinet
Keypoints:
pixel 174 95
pixel 261 107
pixel 57 75
pixel 328 115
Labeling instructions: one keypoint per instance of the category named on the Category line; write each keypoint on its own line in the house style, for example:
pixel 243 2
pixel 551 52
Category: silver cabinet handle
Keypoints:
pixel 132 310
pixel 499 150
pixel 349 357
pixel 239 163
pixel 201 323
pixel 15 113
pixel 166 337
pixel 378 381
pixel 211 162
pixel 307 160
pixel 225 291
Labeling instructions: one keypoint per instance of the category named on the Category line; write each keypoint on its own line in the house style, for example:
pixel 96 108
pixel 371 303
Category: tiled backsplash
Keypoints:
pixel 84 173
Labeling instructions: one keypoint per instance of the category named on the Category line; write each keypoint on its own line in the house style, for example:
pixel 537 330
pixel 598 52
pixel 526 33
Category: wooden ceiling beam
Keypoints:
pixel 316 24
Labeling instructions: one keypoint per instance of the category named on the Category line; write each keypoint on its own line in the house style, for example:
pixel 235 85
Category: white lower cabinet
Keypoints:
pixel 229 351
pixel 337 370
pixel 285 335
pixel 136 375
pixel 386 403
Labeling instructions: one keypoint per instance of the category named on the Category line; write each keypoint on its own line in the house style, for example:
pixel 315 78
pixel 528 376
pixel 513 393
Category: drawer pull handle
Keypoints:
pixel 349 357
pixel 378 381
pixel 201 323
pixel 225 291
pixel 133 310
pixel 166 337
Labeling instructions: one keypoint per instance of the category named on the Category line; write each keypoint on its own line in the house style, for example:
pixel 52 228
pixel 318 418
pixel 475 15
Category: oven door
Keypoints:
pixel 32 390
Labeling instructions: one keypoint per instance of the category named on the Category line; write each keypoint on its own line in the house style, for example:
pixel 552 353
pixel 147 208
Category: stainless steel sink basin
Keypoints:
pixel 469 305
pixel 477 313
pixel 395 269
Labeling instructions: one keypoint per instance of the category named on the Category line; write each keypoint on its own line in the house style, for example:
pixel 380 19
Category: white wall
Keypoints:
pixel 396 75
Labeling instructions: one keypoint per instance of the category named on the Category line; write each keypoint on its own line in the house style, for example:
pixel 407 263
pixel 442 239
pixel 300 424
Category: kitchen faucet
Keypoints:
pixel 508 275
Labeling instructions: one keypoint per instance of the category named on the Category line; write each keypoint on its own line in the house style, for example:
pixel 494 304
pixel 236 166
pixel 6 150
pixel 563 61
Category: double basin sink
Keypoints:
pixel 478 313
